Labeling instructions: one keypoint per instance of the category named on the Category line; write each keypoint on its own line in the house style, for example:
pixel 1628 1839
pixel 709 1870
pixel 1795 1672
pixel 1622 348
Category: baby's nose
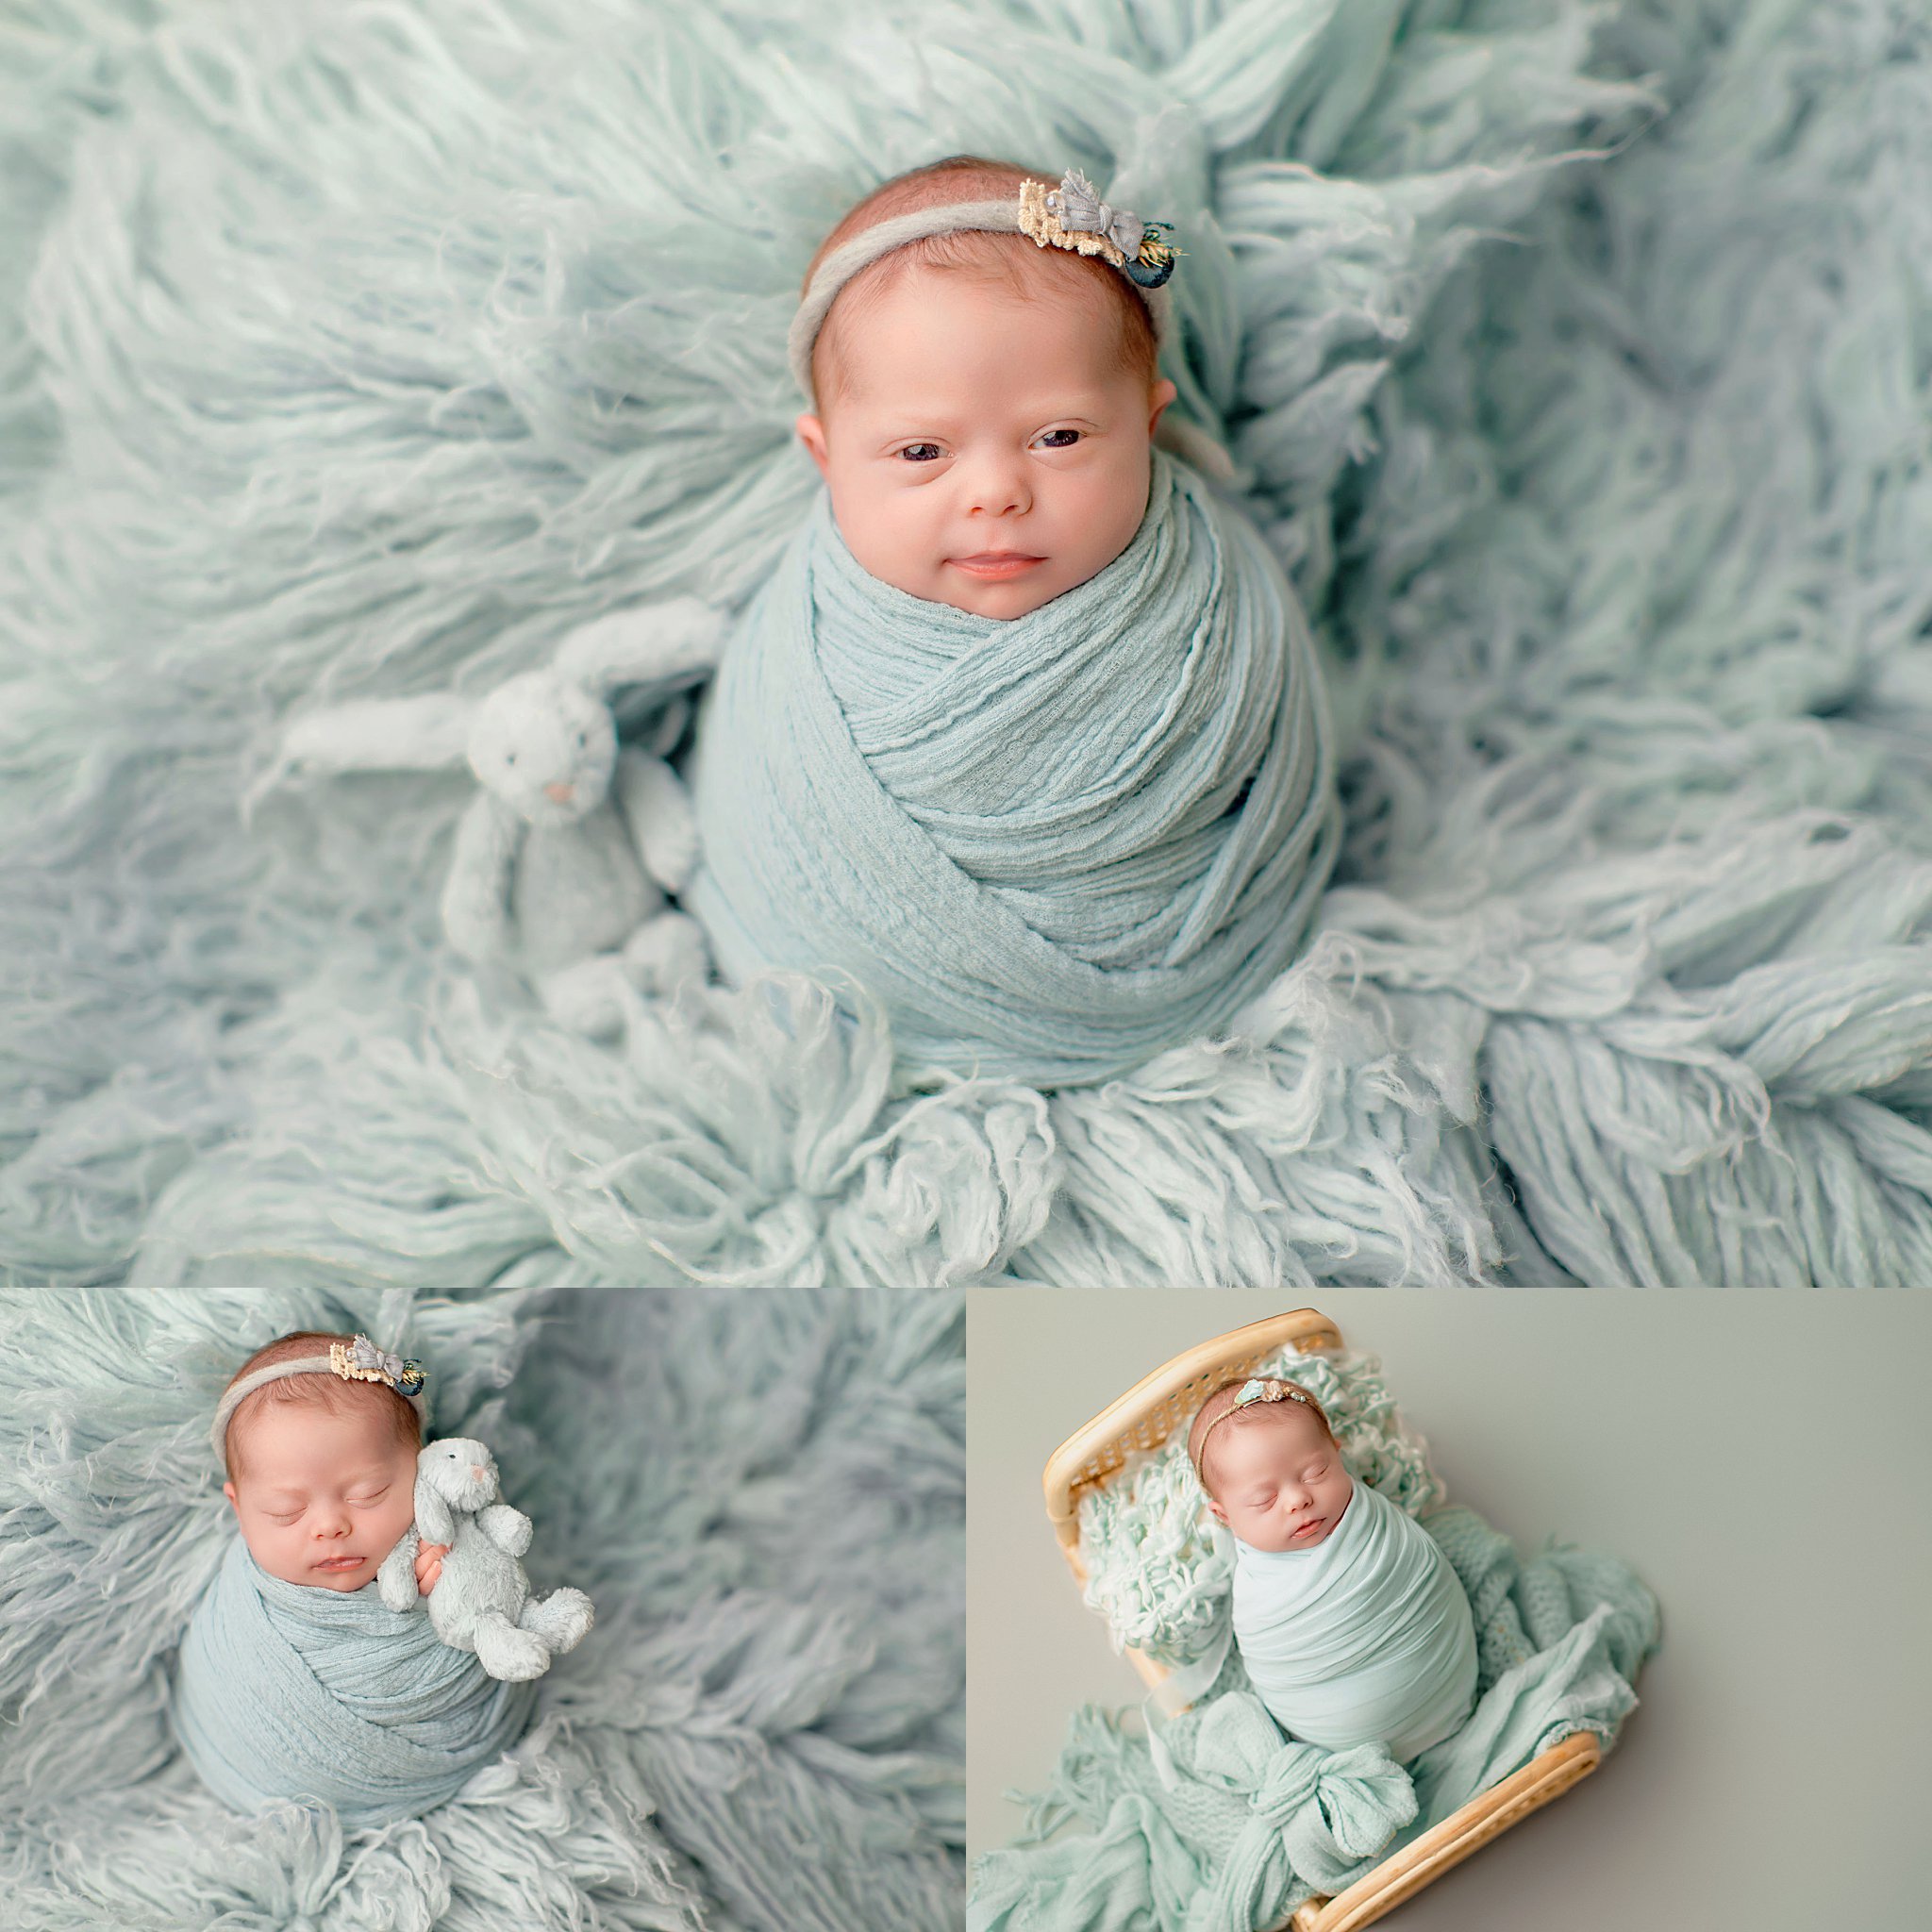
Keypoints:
pixel 997 484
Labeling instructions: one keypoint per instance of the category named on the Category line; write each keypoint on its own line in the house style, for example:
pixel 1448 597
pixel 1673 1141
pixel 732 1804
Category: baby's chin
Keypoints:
pixel 1003 597
pixel 995 597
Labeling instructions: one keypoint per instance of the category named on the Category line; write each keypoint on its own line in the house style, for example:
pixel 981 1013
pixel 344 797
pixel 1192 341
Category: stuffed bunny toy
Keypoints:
pixel 482 1600
pixel 562 859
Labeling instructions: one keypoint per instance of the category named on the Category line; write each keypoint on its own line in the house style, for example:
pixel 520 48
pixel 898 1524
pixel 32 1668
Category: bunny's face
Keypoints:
pixel 544 746
pixel 460 1471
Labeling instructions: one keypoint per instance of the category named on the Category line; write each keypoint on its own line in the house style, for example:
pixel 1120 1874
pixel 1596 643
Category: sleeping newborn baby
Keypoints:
pixel 295 1680
pixel 1349 1620
pixel 1024 735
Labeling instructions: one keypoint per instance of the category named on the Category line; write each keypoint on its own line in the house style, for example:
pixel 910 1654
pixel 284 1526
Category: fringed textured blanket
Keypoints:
pixel 1220 1826
pixel 1566 358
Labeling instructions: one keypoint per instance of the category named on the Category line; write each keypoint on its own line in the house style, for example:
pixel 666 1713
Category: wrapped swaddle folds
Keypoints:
pixel 324 1696
pixel 1367 1638
pixel 1052 844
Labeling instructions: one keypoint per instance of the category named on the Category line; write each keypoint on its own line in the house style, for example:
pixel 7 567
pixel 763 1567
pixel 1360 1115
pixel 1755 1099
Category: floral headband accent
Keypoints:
pixel 1073 216
pixel 1259 1388
pixel 1070 216
pixel 359 1361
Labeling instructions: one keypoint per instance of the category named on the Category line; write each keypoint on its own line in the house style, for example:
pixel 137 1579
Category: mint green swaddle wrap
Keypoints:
pixel 1054 844
pixel 326 1696
pixel 1365 1638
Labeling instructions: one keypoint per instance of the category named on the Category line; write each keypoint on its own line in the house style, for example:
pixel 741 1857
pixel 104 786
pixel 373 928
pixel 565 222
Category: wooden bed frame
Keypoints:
pixel 1143 1419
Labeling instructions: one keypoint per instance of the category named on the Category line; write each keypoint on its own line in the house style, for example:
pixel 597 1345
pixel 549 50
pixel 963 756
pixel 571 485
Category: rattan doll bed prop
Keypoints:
pixel 1161 1404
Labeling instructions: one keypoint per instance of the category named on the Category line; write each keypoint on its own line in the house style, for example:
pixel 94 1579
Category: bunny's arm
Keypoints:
pixel 507 1529
pixel 395 1581
pixel 659 810
pixel 475 914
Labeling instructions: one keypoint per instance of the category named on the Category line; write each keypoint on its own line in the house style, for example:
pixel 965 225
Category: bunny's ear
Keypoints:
pixel 422 734
pixel 675 643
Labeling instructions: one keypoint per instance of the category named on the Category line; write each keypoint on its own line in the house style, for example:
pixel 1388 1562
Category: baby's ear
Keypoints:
pixel 1215 1510
pixel 228 1491
pixel 1164 392
pixel 811 432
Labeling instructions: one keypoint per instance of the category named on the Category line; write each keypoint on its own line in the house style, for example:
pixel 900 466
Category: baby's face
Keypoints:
pixel 321 1498
pixel 983 423
pixel 1279 1483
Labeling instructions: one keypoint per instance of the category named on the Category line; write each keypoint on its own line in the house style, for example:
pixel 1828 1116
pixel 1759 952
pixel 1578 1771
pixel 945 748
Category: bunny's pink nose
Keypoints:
pixel 476 1471
pixel 560 794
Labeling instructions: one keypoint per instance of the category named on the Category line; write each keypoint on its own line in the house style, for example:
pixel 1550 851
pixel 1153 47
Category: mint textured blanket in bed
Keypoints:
pixel 1051 844
pixel 326 1696
pixel 1220 1826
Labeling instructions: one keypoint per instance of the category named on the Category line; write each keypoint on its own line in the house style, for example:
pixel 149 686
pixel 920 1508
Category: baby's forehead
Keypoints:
pixel 275 1420
pixel 1263 1432
pixel 872 317
pixel 1265 1420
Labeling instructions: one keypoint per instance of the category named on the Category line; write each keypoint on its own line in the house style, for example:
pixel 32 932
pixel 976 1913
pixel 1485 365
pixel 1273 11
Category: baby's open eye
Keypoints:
pixel 911 452
pixel 1072 437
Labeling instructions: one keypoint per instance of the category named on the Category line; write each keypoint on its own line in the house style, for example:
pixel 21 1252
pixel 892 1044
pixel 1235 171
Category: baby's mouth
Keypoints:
pixel 338 1563
pixel 997 563
pixel 1307 1529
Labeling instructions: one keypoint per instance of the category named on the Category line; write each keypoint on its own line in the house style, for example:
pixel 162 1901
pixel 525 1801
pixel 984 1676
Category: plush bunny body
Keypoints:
pixel 482 1600
pixel 563 859
pixel 579 891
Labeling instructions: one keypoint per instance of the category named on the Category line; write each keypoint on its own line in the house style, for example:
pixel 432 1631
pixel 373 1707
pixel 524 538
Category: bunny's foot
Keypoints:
pixel 592 997
pixel 561 1620
pixel 508 1653
pixel 667 952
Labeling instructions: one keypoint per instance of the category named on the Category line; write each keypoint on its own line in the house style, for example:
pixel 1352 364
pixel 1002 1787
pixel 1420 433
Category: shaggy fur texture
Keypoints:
pixel 761 1491
pixel 1570 354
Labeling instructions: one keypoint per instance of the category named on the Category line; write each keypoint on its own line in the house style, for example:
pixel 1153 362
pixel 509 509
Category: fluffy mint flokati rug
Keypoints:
pixel 1573 356
pixel 761 1491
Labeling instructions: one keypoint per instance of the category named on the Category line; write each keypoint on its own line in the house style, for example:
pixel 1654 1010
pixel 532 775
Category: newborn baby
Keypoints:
pixel 1025 734
pixel 1349 1620
pixel 295 1680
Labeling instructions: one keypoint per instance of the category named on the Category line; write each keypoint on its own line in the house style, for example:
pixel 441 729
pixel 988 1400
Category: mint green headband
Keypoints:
pixel 359 1361
pixel 1070 216
pixel 1260 1389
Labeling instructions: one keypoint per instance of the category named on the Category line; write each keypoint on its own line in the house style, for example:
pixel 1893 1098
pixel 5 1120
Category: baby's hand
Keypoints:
pixel 429 1566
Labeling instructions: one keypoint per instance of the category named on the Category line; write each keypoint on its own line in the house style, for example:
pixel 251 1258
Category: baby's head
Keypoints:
pixel 974 393
pixel 321 1471
pixel 1270 1464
